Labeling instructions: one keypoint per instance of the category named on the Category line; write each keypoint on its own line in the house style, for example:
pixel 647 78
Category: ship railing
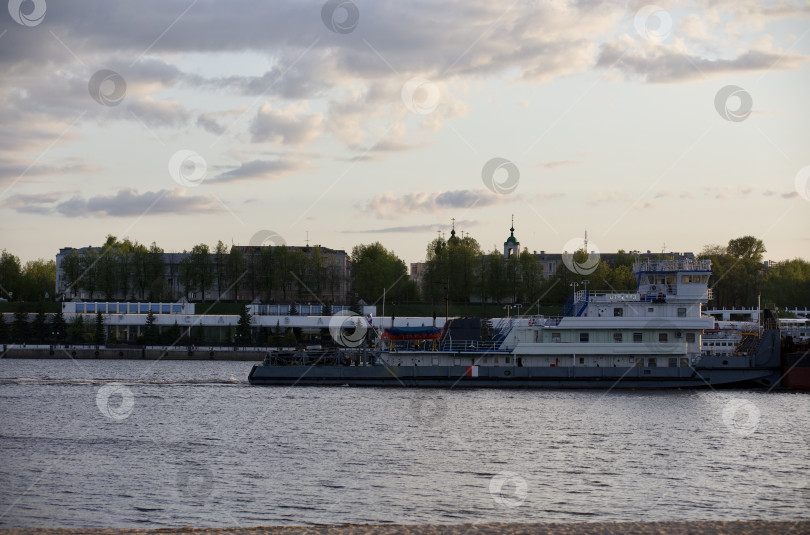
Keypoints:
pixel 684 264
pixel 544 321
pixel 477 346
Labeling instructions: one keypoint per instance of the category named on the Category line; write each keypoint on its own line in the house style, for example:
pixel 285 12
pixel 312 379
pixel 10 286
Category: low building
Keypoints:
pixel 315 274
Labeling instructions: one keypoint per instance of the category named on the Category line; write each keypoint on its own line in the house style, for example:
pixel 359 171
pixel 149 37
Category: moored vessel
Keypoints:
pixel 650 338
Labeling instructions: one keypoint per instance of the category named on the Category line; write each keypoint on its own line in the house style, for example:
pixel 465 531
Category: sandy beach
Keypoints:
pixel 591 528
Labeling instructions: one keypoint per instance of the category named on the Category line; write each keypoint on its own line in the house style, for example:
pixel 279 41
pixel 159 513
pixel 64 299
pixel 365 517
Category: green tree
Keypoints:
pixel 236 270
pixel 220 267
pixel 497 282
pixel 289 339
pixel 531 278
pixel 76 329
pixel 72 272
pixel 40 324
pixel 124 258
pixel 156 273
pixel 20 329
pixel 58 326
pixel 173 335
pixel 3 329
pixel 140 270
pixel 375 268
pixel 787 284
pixel 622 279
pixel 203 268
pixel 10 274
pixel 243 328
pixel 89 279
pixel 99 336
pixel 251 280
pixel 737 271
pixel 38 279
pixel 107 268
pixel 150 331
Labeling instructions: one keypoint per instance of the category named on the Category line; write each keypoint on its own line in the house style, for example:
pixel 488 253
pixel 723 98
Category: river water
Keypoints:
pixel 141 444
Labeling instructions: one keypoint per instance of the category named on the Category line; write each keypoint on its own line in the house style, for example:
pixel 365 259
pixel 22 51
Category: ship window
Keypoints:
pixel 686 278
pixel 690 337
pixel 673 362
pixel 485 360
pixel 681 312
pixel 663 337
pixel 583 337
pixel 705 279
pixel 650 279
pixel 650 309
pixel 637 338
pixel 652 362
pixel 684 362
pixel 496 360
pixel 639 362
pixel 618 312
pixel 582 360
pixel 617 337
pixel 508 360
pixel 555 337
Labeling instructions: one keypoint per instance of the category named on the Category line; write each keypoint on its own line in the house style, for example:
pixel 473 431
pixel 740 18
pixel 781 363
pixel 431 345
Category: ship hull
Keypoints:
pixel 506 377
pixel 797 371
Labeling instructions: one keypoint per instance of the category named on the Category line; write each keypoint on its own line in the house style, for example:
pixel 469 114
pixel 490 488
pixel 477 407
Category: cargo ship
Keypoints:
pixel 647 339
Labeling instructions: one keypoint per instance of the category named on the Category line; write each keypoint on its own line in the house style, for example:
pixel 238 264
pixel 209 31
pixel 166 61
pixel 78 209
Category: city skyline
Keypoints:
pixel 341 123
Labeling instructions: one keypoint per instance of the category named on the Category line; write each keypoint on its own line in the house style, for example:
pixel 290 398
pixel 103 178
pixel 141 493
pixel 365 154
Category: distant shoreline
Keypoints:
pixel 750 527
pixel 134 353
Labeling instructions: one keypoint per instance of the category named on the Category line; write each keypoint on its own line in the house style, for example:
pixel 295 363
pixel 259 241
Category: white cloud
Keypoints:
pixel 391 206
pixel 289 126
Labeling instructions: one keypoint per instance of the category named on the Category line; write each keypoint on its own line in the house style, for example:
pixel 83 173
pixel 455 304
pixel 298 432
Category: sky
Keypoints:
pixel 662 127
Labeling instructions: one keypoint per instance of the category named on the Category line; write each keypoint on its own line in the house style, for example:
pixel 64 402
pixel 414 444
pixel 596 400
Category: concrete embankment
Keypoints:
pixel 591 528
pixel 84 352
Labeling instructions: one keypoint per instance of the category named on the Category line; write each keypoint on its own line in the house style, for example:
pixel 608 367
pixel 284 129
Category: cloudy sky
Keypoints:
pixel 672 125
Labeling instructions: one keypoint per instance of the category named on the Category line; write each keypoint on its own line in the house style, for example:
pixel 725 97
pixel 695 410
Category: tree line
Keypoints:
pixel 129 270
pixel 456 269
pixel 34 281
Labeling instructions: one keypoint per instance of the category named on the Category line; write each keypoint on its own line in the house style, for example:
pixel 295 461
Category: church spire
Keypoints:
pixel 511 247
pixel 453 238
